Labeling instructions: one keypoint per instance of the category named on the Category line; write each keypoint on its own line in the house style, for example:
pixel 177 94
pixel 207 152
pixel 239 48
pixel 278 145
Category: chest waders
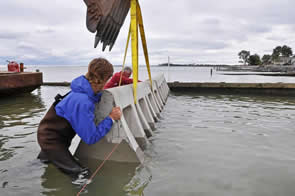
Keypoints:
pixel 56 151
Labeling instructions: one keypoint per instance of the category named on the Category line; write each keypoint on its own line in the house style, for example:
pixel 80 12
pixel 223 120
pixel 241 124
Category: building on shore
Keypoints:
pixel 283 60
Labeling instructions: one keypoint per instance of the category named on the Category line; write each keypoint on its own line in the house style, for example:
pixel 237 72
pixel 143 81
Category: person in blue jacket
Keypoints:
pixel 74 114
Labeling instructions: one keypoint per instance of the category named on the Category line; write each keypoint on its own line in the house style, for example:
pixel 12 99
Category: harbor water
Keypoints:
pixel 204 144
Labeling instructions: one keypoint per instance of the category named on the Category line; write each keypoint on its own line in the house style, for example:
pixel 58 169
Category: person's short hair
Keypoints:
pixel 99 69
pixel 127 69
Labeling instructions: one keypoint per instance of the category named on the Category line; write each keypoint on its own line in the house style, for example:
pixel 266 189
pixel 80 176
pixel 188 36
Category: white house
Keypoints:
pixel 282 60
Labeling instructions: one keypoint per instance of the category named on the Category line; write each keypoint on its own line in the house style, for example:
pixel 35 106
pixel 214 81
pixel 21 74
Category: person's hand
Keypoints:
pixel 116 113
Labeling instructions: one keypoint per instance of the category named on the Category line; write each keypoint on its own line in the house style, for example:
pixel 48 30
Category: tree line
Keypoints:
pixel 279 51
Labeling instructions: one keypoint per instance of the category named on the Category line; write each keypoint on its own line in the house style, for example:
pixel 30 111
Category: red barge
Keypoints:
pixel 17 81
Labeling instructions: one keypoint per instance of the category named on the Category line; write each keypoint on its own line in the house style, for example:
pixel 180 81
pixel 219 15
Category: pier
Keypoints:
pixel 231 88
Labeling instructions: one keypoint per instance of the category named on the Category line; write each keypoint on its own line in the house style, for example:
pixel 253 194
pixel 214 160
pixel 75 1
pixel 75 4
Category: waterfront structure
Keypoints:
pixel 283 60
pixel 19 82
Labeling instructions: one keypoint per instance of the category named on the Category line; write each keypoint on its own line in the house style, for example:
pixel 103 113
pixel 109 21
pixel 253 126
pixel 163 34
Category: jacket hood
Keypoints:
pixel 81 85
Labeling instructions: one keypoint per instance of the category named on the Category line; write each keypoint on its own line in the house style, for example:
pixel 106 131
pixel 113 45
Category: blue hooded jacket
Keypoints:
pixel 78 109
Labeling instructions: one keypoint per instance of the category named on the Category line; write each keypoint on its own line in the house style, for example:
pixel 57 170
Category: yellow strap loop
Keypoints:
pixel 135 24
pixel 126 49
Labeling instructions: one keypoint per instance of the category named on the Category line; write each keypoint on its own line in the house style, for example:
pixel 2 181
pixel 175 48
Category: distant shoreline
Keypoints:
pixel 261 68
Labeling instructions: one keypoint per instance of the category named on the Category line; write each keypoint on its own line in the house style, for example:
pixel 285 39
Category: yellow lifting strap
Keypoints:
pixel 134 45
pixel 144 44
pixel 137 22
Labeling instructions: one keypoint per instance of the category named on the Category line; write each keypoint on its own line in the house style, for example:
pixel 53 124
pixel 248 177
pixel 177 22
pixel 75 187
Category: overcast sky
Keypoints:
pixel 189 31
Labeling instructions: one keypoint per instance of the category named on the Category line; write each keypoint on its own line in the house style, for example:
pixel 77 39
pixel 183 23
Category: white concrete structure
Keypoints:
pixel 136 125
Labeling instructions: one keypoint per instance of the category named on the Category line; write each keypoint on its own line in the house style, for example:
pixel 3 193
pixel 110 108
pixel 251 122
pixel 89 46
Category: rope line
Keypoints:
pixel 99 167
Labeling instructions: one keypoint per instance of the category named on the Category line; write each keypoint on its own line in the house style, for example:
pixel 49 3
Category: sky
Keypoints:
pixel 188 31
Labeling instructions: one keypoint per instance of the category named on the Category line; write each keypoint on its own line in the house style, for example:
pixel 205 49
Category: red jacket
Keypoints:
pixel 115 80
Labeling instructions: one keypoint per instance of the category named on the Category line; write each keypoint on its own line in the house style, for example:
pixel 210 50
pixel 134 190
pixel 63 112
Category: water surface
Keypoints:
pixel 204 144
